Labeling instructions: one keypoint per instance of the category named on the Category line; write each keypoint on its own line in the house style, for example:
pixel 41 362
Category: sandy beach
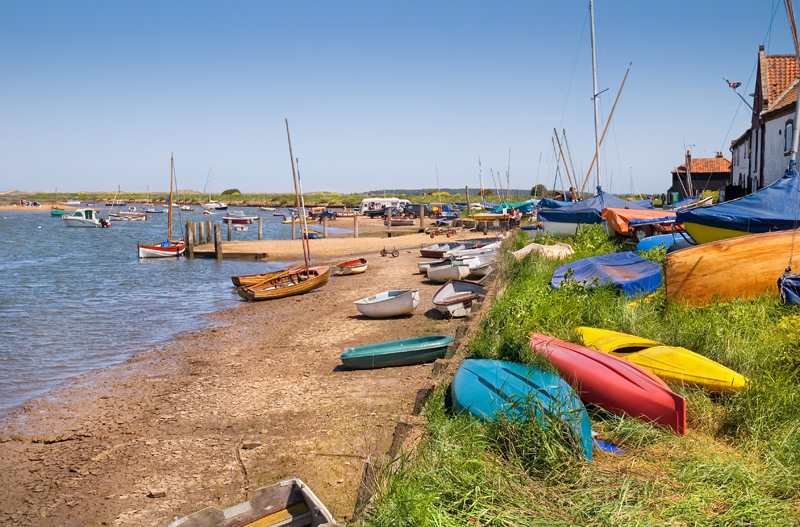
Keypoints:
pixel 176 419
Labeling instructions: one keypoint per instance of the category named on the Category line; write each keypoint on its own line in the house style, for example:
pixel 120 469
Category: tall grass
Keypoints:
pixel 739 463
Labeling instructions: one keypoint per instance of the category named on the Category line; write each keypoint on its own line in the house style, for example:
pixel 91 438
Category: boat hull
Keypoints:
pixel 741 267
pixel 352 267
pixel 445 273
pixel 287 283
pixel 389 303
pixel 455 298
pixel 491 389
pixel 707 234
pixel 405 352
pixel 671 363
pixel 173 250
pixel 616 385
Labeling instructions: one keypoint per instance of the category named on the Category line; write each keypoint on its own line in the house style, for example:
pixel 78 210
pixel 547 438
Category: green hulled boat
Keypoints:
pixel 402 352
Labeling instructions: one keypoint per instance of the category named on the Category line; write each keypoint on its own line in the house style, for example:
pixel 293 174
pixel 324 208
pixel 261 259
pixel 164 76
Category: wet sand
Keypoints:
pixel 176 418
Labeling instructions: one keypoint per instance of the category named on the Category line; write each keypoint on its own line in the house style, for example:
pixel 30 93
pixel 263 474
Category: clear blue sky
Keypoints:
pixel 379 94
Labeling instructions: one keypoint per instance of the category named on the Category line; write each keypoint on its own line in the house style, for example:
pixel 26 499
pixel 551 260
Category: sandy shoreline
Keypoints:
pixel 175 417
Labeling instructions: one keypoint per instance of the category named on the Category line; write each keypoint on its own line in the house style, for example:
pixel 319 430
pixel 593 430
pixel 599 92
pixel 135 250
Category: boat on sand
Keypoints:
pixel 287 283
pixel 613 384
pixel 404 352
pixel 672 363
pixel 351 267
pixel 389 303
pixel 455 298
pixel 493 389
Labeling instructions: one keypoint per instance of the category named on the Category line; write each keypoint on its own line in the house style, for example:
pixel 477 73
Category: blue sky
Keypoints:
pixel 379 94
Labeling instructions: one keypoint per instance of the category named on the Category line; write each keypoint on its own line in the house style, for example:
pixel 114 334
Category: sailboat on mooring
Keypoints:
pixel 169 248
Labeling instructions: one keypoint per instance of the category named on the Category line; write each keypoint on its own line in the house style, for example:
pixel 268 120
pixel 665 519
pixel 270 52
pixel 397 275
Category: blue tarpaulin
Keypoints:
pixel 547 203
pixel 589 211
pixel 773 208
pixel 632 275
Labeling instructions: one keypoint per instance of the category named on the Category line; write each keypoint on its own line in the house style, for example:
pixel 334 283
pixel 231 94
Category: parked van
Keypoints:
pixel 375 206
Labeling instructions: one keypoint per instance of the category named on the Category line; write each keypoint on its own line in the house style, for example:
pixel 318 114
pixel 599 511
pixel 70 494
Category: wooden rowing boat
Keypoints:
pixel 252 279
pixel 403 352
pixel 351 267
pixel 287 283
pixel 740 267
pixel 455 298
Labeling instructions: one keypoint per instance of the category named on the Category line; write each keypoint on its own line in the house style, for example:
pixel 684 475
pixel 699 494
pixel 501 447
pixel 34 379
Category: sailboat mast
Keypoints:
pixel 795 132
pixel 480 176
pixel 594 98
pixel 169 201
pixel 296 191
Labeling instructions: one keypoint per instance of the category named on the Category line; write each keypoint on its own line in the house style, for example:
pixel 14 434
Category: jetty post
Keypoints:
pixel 293 234
pixel 230 228
pixel 189 239
pixel 217 242
pixel 209 232
pixel 201 236
pixel 355 226
pixel 421 216
pixel 260 237
pixel 325 227
pixel 469 209
pixel 389 220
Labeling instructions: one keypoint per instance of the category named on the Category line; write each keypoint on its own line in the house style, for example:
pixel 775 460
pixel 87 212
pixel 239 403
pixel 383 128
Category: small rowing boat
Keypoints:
pixel 351 267
pixel 613 384
pixel 455 298
pixel 493 389
pixel 451 269
pixel 287 283
pixel 403 352
pixel 671 363
pixel 389 303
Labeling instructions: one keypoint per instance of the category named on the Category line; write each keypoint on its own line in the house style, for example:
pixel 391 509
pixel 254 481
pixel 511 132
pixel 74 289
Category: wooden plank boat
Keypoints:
pixel 251 279
pixel 739 267
pixel 633 276
pixel 288 503
pixel 351 267
pixel 449 270
pixel 455 298
pixel 403 352
pixel 614 384
pixel 389 303
pixel 671 363
pixel 491 389
pixel 287 283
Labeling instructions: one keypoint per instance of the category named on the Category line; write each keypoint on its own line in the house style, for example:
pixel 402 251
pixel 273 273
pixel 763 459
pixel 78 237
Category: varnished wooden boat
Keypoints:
pixel 740 267
pixel 287 283
pixel 251 279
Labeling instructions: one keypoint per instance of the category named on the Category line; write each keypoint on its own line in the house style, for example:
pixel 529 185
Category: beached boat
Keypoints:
pixel 311 234
pixel 298 220
pixel 773 208
pixel 615 385
pixel 84 218
pixel 170 248
pixel 347 213
pixel 351 267
pixel 389 303
pixel 403 352
pixel 671 363
pixel 489 248
pixel 568 219
pixel 631 275
pixel 450 269
pixel 482 265
pixel 238 216
pixel 639 223
pixel 556 251
pixel 289 503
pixel 455 298
pixel 400 221
pixel 287 283
pixel 492 389
pixel 424 266
pixel 437 250
pixel 738 267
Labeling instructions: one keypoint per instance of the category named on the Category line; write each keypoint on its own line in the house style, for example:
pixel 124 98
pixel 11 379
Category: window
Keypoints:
pixel 788 136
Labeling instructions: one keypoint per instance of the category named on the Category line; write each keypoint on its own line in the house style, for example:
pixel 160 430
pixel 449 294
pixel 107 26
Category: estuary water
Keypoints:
pixel 75 300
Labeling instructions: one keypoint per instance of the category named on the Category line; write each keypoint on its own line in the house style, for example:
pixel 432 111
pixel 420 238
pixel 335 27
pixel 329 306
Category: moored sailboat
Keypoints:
pixel 169 248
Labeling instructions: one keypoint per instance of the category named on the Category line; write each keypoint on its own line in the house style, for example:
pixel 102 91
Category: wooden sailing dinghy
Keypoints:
pixel 170 248
pixel 287 283
pixel 740 267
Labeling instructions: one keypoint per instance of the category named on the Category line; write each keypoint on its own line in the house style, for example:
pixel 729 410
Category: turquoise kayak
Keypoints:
pixel 489 389
pixel 402 352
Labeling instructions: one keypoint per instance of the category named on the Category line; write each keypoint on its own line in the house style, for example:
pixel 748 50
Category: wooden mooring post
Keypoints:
pixel 230 228
pixel 293 234
pixel 260 237
pixel 355 226
pixel 189 239
pixel 217 242
pixel 201 236
pixel 421 216
pixel 209 232
pixel 325 227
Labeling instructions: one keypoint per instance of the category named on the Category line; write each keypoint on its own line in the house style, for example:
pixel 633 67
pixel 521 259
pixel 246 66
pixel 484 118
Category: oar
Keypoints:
pixel 273 278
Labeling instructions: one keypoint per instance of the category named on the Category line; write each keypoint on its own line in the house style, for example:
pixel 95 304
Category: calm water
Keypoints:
pixel 76 300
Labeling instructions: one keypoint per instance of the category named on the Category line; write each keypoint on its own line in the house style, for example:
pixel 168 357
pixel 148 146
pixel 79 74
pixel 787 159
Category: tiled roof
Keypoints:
pixel 778 72
pixel 706 165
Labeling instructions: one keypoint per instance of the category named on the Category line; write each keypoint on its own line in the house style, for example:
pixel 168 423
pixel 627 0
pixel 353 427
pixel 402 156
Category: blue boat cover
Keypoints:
pixel 789 287
pixel 547 203
pixel 523 206
pixel 589 211
pixel 633 276
pixel 662 240
pixel 773 208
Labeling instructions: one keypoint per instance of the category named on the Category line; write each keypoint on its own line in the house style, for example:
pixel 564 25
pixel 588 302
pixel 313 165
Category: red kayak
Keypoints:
pixel 616 385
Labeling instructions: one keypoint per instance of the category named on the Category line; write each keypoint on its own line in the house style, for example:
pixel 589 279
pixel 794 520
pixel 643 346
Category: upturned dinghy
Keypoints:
pixel 671 363
pixel 389 303
pixel 455 298
pixel 288 503
pixel 404 352
pixel 631 275
pixel 491 389
pixel 351 267
pixel 616 385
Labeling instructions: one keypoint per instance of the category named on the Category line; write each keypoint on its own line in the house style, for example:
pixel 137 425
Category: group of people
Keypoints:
pixel 514 218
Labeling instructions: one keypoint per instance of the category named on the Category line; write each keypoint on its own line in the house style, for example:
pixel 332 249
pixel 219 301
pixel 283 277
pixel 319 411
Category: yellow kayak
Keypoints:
pixel 671 363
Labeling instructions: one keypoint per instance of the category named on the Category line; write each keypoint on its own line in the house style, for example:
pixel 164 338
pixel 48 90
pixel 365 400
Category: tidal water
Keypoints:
pixel 75 300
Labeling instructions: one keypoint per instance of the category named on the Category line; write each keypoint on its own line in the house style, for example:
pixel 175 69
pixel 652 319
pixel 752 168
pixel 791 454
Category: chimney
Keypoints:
pixel 719 155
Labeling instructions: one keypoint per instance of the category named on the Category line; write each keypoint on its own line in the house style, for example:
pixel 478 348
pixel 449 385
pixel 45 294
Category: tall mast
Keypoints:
pixel 594 97
pixel 795 135
pixel 480 176
pixel 169 201
pixel 296 191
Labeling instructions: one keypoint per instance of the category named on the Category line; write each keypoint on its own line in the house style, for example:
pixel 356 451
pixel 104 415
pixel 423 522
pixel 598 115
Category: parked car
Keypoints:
pixel 427 208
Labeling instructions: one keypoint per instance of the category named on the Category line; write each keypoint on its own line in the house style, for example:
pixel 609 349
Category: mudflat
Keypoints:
pixel 258 396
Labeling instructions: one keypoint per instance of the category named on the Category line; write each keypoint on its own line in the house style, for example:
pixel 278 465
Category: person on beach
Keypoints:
pixel 571 195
